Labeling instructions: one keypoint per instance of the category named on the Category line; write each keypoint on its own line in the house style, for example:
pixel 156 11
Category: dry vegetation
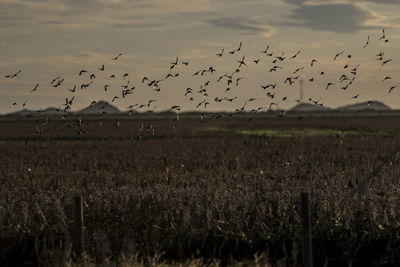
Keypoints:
pixel 190 193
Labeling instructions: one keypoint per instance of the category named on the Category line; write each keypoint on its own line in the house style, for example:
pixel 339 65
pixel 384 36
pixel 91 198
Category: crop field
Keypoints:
pixel 222 191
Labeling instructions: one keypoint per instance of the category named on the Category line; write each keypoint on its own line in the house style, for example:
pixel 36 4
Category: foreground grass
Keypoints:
pixel 218 197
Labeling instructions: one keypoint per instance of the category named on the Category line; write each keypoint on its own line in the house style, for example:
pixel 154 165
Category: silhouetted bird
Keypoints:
pixel 391 88
pixel 367 43
pixel 36 87
pixel 13 75
pixel 117 57
pixel 383 35
pixel 313 61
pixel 386 61
pixel 337 55
pixel 266 50
pixel 241 62
pixel 240 46
pixel 295 55
pixel 73 89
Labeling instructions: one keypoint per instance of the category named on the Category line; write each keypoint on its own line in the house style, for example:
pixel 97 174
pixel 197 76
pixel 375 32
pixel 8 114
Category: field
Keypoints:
pixel 161 190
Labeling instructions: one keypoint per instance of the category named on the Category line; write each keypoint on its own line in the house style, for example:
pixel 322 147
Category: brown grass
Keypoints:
pixel 187 194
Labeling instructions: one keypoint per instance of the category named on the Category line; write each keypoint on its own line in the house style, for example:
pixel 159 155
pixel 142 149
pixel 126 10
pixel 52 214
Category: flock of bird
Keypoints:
pixel 228 81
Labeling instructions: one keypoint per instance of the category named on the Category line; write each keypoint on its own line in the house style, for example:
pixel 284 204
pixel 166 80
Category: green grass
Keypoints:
pixel 284 132
pixel 293 132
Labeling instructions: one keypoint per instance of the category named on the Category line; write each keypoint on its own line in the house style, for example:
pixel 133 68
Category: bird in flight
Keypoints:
pixel 150 101
pixel 367 43
pixel 337 55
pixel 281 58
pixel 81 72
pixel 220 54
pixel 266 50
pixel 54 80
pixel 380 55
pixel 274 68
pixel 241 62
pixel 383 37
pixel 175 63
pixel 295 55
pixel 240 46
pixel 73 89
pixel 13 75
pixel 237 80
pixel 386 61
pixel 24 104
pixel 391 88
pixel 357 95
pixel 117 57
pixel 297 70
pixel 34 89
pixel 59 82
pixel 329 84
pixel 313 61
pixel 144 79
pixel 101 68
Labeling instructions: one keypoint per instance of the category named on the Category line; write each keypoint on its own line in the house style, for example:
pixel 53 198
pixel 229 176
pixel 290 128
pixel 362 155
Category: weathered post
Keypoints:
pixel 78 240
pixel 306 230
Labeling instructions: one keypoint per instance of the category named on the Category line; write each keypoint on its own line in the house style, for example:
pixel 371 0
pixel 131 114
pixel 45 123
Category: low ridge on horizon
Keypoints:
pixel 103 107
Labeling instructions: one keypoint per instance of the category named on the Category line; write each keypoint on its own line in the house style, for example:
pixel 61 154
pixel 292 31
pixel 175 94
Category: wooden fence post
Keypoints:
pixel 306 230
pixel 78 240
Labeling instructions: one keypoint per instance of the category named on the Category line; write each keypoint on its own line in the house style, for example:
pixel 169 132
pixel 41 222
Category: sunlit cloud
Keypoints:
pixel 80 14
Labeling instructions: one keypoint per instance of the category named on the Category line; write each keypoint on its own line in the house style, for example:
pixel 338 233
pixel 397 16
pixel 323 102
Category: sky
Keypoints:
pixel 46 39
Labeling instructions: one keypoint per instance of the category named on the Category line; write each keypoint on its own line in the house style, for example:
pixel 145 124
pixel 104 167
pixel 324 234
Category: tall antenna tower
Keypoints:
pixel 301 91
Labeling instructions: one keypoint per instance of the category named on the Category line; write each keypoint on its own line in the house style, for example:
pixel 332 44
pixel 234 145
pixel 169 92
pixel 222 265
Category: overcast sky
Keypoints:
pixel 50 38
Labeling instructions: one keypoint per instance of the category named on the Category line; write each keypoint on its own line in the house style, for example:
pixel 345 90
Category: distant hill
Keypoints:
pixel 99 108
pixel 24 112
pixel 51 111
pixel 305 107
pixel 28 112
pixel 374 105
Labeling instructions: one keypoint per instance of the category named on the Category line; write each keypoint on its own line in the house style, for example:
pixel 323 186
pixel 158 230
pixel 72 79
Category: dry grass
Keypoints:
pixel 194 195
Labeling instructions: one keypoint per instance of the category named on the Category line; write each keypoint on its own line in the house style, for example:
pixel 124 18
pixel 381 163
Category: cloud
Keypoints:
pixel 340 18
pixel 295 2
pixel 301 2
pixel 81 14
pixel 244 25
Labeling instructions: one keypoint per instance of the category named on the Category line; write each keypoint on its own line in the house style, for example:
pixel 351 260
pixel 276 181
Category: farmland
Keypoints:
pixel 221 189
